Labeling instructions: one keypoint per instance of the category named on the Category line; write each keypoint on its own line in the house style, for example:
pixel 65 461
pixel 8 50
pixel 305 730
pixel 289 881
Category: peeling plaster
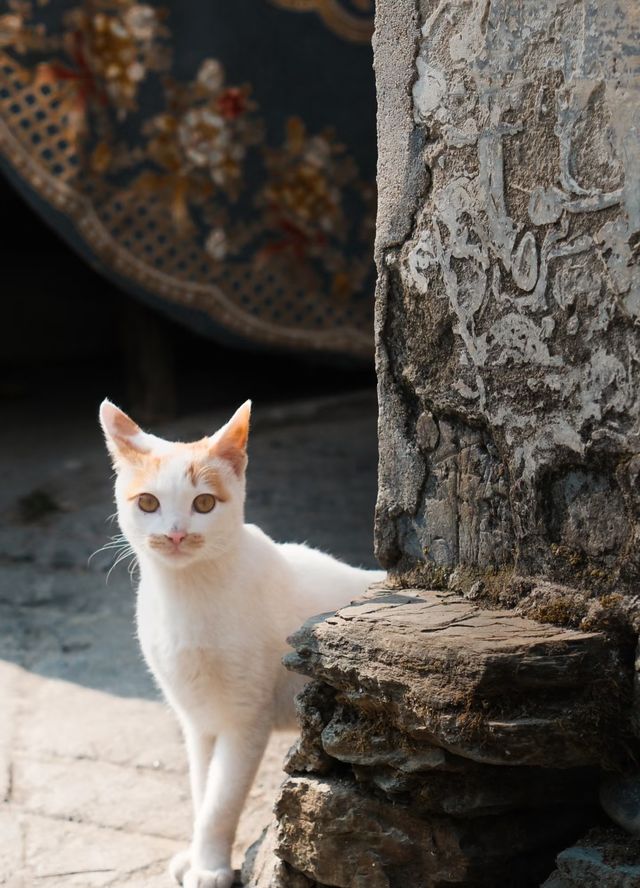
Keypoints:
pixel 544 262
pixel 523 257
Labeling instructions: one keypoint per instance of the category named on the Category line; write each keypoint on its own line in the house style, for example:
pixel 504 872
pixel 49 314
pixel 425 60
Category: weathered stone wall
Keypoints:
pixel 508 317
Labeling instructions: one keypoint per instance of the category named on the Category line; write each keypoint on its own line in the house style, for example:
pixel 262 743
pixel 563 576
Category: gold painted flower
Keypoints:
pixel 208 129
pixel 118 43
pixel 200 142
pixel 303 196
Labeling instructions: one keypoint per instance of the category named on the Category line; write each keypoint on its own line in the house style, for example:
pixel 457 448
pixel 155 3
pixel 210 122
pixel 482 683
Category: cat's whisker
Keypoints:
pixel 121 557
pixel 124 551
pixel 116 538
pixel 133 567
pixel 113 544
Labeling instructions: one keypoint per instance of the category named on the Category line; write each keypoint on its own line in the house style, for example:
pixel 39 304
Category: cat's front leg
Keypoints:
pixel 234 764
pixel 199 753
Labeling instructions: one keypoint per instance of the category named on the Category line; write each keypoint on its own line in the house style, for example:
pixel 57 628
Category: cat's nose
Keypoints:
pixel 176 537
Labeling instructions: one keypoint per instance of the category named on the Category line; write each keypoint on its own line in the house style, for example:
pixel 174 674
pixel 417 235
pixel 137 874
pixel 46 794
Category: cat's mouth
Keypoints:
pixel 176 552
pixel 167 547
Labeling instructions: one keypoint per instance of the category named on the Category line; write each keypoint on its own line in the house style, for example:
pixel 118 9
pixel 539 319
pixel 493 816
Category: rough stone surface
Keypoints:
pixel 508 306
pixel 336 834
pixel 442 744
pixel 487 685
pixel 508 357
pixel 602 859
pixel 635 711
pixel 262 868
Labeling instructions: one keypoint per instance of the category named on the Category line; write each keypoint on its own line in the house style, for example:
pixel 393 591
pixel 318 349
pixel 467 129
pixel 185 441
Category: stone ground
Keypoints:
pixel 92 772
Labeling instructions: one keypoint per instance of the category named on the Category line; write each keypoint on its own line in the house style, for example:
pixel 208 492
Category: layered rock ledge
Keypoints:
pixel 441 745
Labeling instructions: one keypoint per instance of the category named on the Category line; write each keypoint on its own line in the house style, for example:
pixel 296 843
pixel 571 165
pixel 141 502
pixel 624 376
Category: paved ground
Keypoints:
pixel 92 771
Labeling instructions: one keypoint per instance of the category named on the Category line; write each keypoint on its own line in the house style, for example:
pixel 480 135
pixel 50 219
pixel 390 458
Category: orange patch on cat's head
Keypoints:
pixel 201 472
pixel 146 468
pixel 128 444
pixel 148 465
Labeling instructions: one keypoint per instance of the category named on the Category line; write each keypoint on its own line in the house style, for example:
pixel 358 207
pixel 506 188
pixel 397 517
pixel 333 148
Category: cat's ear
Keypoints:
pixel 125 439
pixel 230 442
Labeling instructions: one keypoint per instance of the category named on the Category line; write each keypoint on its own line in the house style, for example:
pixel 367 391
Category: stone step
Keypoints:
pixel 485 685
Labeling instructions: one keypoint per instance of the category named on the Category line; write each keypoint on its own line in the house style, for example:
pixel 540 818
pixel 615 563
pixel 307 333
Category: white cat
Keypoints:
pixel 216 601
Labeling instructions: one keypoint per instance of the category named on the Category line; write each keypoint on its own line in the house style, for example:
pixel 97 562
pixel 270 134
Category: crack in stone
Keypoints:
pixel 52 757
pixel 62 818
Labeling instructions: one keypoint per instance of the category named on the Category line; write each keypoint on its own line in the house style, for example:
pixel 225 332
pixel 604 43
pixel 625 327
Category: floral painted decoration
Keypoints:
pixel 188 188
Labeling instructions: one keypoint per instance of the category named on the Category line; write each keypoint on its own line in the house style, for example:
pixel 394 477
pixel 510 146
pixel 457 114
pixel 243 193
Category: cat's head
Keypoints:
pixel 178 503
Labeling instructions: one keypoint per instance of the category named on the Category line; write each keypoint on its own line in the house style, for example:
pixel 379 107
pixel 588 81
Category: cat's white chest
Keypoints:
pixel 190 658
pixel 198 683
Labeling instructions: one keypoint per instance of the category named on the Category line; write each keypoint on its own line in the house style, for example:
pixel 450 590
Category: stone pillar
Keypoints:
pixel 508 321
pixel 508 305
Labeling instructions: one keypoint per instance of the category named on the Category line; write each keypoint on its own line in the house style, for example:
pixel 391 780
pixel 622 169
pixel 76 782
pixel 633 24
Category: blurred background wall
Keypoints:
pixel 205 175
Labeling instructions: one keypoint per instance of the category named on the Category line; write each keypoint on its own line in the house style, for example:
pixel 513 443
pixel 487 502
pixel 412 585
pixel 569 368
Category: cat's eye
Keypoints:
pixel 148 502
pixel 204 502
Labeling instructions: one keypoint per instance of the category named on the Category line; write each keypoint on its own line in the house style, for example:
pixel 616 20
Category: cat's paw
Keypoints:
pixel 178 866
pixel 201 878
